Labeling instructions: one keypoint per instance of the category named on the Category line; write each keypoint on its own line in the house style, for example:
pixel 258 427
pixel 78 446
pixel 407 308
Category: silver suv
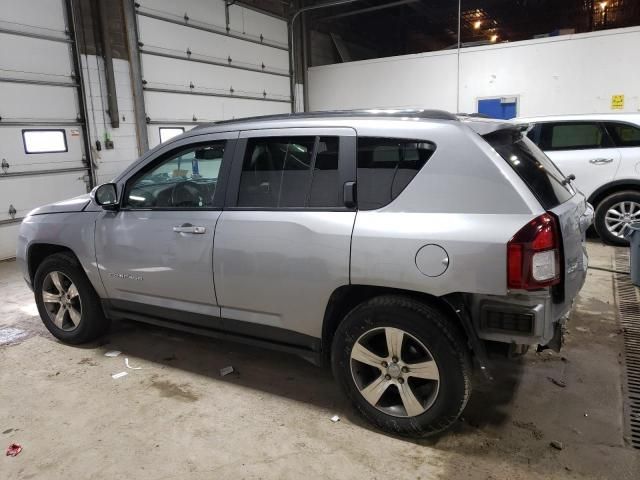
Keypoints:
pixel 395 246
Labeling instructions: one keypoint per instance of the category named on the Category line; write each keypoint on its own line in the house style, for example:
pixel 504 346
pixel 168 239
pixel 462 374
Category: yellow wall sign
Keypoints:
pixel 617 102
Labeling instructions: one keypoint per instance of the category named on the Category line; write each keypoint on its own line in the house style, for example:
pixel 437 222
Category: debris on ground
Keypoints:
pixel 335 418
pixel 586 414
pixel 583 329
pixel 113 353
pixel 557 445
pixel 14 449
pixel 530 426
pixel 126 362
pixel 115 376
pixel 557 382
pixel 226 371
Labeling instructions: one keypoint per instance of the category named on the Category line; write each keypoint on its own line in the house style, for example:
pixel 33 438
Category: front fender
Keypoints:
pixel 74 230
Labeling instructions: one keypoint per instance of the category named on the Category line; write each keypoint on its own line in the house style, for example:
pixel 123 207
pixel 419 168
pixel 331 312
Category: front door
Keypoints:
pixel 583 149
pixel 283 241
pixel 155 253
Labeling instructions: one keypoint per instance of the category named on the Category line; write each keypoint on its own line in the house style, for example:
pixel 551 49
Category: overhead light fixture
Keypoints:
pixel 494 38
pixel 477 24
pixel 603 5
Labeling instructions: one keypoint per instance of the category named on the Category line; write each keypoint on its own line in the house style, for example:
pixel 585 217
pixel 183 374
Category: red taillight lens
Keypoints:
pixel 533 255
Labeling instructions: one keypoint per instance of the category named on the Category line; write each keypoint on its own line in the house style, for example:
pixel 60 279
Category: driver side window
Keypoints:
pixel 185 179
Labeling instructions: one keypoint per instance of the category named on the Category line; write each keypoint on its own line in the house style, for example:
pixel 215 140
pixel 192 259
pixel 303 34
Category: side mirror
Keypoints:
pixel 106 195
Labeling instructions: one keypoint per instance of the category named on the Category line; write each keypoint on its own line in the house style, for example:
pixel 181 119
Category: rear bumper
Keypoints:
pixel 522 318
pixel 530 318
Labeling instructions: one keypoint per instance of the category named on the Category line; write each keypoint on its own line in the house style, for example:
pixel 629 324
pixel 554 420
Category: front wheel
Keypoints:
pixel 403 364
pixel 614 213
pixel 68 305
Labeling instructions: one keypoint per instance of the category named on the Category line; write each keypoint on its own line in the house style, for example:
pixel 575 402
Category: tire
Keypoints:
pixel 440 401
pixel 82 319
pixel 604 219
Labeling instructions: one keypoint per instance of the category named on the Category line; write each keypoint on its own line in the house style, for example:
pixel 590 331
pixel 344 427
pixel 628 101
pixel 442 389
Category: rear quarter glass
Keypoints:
pixel 535 169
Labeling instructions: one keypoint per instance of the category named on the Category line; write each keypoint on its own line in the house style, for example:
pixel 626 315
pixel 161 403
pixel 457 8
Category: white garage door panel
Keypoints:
pixel 42 189
pixel 44 58
pixel 12 151
pixel 208 11
pixel 181 72
pixel 40 13
pixel 176 38
pixel 37 102
pixel 8 236
pixel 255 23
pixel 110 170
pixel 167 106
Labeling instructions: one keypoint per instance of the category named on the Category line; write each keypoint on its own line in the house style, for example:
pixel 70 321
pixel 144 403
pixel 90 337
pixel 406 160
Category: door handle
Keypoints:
pixel 188 228
pixel 600 161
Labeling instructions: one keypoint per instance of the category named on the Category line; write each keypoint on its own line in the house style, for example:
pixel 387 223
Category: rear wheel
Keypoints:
pixel 403 364
pixel 67 303
pixel 614 213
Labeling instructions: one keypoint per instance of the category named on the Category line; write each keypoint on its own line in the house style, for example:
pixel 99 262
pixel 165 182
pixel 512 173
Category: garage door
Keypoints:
pixel 205 61
pixel 42 149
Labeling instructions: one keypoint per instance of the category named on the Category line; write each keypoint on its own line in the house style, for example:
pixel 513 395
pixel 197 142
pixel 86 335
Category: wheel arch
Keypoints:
pixel 610 188
pixel 37 252
pixel 347 297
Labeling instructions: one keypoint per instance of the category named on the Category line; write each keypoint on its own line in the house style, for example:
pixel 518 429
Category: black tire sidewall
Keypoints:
pixel 601 211
pixel 91 318
pixel 430 327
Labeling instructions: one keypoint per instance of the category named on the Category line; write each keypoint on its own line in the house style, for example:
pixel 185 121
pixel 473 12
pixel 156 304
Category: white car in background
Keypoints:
pixel 603 152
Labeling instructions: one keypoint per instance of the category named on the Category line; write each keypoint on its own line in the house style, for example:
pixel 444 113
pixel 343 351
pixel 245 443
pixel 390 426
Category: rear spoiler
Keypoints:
pixel 485 126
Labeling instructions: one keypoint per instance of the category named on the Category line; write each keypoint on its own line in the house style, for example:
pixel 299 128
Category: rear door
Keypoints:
pixel 583 149
pixel 626 137
pixel 282 243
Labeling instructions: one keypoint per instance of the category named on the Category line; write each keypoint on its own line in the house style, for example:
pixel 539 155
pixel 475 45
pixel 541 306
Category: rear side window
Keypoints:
pixel 536 170
pixel 290 172
pixel 573 136
pixel 386 166
pixel 624 134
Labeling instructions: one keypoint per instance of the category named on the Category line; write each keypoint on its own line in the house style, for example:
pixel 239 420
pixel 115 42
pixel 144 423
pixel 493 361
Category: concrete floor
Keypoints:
pixel 177 417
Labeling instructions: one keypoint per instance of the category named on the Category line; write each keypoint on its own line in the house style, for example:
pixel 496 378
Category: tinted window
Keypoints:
pixel 281 172
pixel 624 134
pixel 386 166
pixel 186 179
pixel 536 170
pixel 573 136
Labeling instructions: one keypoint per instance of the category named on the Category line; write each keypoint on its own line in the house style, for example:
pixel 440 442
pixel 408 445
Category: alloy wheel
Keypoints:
pixel 62 301
pixel 620 215
pixel 395 372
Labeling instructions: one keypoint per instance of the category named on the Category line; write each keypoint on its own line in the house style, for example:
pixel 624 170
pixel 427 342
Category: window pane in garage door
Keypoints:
pixel 44 141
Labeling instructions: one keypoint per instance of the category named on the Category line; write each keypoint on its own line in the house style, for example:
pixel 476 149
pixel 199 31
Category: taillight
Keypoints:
pixel 533 255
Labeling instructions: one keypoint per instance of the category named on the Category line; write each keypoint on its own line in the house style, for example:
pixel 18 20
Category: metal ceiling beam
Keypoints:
pixel 368 9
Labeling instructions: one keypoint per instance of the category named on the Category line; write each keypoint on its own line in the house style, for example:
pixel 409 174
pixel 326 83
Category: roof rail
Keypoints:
pixel 394 113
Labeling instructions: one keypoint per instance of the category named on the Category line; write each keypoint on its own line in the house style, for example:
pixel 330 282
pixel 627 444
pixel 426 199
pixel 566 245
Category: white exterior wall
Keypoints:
pixel 556 75
pixel 109 163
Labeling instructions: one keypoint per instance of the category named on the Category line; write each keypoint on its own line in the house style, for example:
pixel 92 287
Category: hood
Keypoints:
pixel 75 204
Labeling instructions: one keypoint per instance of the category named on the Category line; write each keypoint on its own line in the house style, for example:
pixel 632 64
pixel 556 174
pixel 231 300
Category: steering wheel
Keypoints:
pixel 186 194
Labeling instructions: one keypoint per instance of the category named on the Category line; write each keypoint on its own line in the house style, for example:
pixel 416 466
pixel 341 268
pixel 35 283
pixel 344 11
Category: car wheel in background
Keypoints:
pixel 403 364
pixel 614 213
pixel 68 305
